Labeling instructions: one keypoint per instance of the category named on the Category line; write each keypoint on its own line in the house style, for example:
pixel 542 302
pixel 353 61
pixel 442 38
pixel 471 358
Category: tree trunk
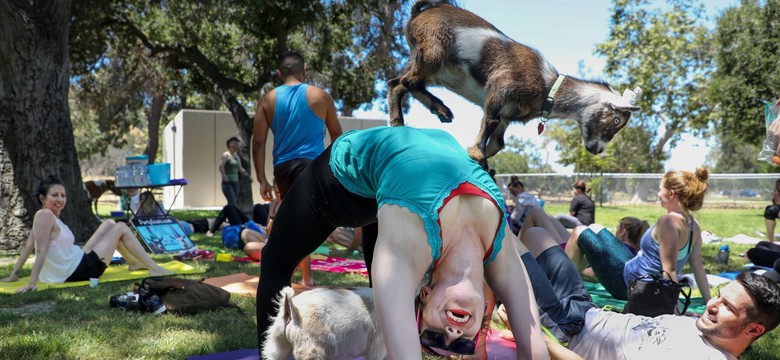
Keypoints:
pixel 245 127
pixel 36 135
pixel 158 101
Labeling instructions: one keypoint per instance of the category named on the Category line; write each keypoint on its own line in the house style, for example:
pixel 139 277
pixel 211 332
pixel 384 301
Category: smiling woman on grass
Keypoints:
pixel 58 259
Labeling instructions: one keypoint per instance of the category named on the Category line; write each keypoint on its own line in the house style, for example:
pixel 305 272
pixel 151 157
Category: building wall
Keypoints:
pixel 193 143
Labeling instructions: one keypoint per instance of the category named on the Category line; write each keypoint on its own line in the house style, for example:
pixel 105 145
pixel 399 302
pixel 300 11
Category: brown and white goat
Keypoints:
pixel 96 188
pixel 462 52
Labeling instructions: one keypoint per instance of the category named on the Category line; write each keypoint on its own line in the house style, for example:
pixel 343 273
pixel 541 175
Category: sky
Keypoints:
pixel 565 32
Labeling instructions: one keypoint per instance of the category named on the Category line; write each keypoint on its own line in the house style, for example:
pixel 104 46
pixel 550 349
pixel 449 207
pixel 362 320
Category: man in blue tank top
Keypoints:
pixel 297 113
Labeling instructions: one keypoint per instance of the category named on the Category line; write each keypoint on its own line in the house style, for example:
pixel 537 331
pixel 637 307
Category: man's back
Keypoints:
pixel 298 131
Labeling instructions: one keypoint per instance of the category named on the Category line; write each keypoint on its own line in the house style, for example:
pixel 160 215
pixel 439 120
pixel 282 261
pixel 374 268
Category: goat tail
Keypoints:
pixel 423 5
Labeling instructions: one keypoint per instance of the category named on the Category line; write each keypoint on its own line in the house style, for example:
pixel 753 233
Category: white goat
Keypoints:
pixel 459 50
pixel 325 323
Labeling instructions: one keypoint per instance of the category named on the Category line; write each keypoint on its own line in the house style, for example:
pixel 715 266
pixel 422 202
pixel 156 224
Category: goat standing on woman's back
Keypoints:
pixel 457 49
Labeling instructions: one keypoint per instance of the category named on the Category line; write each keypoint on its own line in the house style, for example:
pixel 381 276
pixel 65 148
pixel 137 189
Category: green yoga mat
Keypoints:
pixel 112 273
pixel 603 298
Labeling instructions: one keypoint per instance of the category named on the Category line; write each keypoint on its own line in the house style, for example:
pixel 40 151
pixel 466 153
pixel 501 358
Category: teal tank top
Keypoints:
pixel 298 132
pixel 413 168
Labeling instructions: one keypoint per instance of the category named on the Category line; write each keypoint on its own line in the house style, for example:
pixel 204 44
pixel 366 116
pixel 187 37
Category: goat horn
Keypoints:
pixel 632 96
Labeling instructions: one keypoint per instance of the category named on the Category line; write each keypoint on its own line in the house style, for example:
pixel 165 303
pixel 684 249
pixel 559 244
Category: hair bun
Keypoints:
pixel 702 173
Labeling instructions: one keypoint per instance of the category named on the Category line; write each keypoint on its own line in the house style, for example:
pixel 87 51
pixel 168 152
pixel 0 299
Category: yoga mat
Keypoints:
pixel 338 265
pixel 112 273
pixel 602 297
pixel 497 348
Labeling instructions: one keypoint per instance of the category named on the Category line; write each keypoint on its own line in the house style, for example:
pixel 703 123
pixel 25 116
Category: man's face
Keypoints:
pixel 726 315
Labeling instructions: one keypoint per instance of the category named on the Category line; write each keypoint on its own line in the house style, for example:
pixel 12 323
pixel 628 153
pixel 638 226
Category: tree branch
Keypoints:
pixel 193 57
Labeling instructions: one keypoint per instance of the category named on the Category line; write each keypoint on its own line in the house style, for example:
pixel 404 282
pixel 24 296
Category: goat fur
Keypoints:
pixel 96 188
pixel 325 323
pixel 462 52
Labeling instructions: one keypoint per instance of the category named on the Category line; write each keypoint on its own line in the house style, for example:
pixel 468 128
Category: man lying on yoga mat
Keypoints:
pixel 58 260
pixel 742 312
pixel 425 207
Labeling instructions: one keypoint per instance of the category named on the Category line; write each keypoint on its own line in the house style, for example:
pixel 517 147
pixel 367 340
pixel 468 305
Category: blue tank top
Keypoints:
pixel 413 168
pixel 648 259
pixel 298 132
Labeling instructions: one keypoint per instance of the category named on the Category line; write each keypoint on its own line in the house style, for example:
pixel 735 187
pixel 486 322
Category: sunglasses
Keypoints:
pixel 431 338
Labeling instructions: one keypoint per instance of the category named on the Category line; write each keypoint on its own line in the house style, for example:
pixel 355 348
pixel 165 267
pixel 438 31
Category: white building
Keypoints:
pixel 193 143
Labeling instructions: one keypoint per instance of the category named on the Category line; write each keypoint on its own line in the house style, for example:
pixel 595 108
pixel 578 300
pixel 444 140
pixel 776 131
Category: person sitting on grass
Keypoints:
pixel 667 246
pixel 59 260
pixel 742 312
pixel 252 238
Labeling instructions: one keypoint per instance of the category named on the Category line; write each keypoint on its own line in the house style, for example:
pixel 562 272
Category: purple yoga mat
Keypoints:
pixel 498 349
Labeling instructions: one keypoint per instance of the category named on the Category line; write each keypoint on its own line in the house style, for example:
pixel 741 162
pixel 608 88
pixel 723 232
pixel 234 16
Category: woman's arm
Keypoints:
pixel 43 223
pixel 225 157
pixel 508 278
pixel 26 251
pixel 401 258
pixel 697 264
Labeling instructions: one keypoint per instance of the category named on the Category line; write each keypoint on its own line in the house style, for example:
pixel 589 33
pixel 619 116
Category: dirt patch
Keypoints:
pixel 30 309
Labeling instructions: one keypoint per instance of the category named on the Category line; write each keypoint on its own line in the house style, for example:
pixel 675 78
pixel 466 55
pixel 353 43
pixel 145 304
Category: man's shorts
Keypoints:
pixel 286 173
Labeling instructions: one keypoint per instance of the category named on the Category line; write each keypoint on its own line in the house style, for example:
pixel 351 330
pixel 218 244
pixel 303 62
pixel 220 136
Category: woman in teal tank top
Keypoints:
pixel 426 208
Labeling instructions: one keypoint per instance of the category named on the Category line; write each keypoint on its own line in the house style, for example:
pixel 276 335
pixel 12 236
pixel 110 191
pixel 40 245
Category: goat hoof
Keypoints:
pixel 397 122
pixel 444 115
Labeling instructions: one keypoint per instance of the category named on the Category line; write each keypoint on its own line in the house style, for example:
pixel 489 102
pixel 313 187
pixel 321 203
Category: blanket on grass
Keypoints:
pixel 113 273
pixel 602 297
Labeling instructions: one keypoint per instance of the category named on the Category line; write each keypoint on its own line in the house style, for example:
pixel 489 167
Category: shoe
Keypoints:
pixel 206 254
pixel 150 302
pixel 189 254
pixel 126 302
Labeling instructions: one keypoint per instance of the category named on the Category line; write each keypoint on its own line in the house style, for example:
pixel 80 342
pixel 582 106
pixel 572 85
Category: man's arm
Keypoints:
pixel 259 138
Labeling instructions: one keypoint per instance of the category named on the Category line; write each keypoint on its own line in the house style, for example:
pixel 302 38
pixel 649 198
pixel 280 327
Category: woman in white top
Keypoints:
pixel 59 260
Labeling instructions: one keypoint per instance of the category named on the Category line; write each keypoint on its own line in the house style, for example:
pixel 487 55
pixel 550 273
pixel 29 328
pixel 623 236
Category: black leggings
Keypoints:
pixel 232 214
pixel 315 206
pixel 764 254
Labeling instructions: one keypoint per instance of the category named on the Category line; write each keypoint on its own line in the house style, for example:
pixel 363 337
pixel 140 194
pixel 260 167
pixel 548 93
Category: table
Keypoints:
pixel 178 182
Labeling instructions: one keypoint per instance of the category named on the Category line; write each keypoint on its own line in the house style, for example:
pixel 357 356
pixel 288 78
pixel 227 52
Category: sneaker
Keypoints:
pixel 126 302
pixel 150 302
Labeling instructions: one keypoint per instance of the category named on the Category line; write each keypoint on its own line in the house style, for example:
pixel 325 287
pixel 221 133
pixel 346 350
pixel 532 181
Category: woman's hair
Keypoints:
pixel 147 207
pixel 515 181
pixel 581 186
pixel 231 139
pixel 689 187
pixel 635 228
pixel 45 185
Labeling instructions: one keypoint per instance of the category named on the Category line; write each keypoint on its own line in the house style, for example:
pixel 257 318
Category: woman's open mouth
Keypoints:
pixel 457 316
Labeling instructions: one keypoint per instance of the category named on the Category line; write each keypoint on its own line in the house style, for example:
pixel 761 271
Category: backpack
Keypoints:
pixel 231 236
pixel 186 296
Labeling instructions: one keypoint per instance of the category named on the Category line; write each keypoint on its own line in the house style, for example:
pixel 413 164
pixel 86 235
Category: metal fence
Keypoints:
pixel 725 190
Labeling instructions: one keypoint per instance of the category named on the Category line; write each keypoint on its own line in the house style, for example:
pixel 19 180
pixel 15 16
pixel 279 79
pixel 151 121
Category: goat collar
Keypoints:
pixel 548 102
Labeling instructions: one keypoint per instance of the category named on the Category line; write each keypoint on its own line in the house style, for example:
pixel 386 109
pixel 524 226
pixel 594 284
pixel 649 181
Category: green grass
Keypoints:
pixel 81 325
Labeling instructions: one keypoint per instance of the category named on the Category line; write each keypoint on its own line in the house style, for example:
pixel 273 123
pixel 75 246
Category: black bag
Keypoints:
pixel 653 295
pixel 186 296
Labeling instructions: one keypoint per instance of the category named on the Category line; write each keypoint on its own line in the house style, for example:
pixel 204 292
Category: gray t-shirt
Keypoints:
pixel 609 335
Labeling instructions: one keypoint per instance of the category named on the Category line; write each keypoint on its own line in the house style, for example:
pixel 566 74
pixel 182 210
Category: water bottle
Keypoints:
pixel 723 255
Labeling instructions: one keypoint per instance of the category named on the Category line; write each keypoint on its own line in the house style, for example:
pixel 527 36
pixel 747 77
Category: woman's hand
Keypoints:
pixel 26 288
pixel 10 278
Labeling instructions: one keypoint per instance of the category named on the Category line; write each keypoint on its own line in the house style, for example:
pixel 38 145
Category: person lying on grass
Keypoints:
pixel 58 259
pixel 425 208
pixel 742 312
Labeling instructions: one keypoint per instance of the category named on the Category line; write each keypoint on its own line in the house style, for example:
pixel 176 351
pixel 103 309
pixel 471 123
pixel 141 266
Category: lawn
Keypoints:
pixel 77 323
